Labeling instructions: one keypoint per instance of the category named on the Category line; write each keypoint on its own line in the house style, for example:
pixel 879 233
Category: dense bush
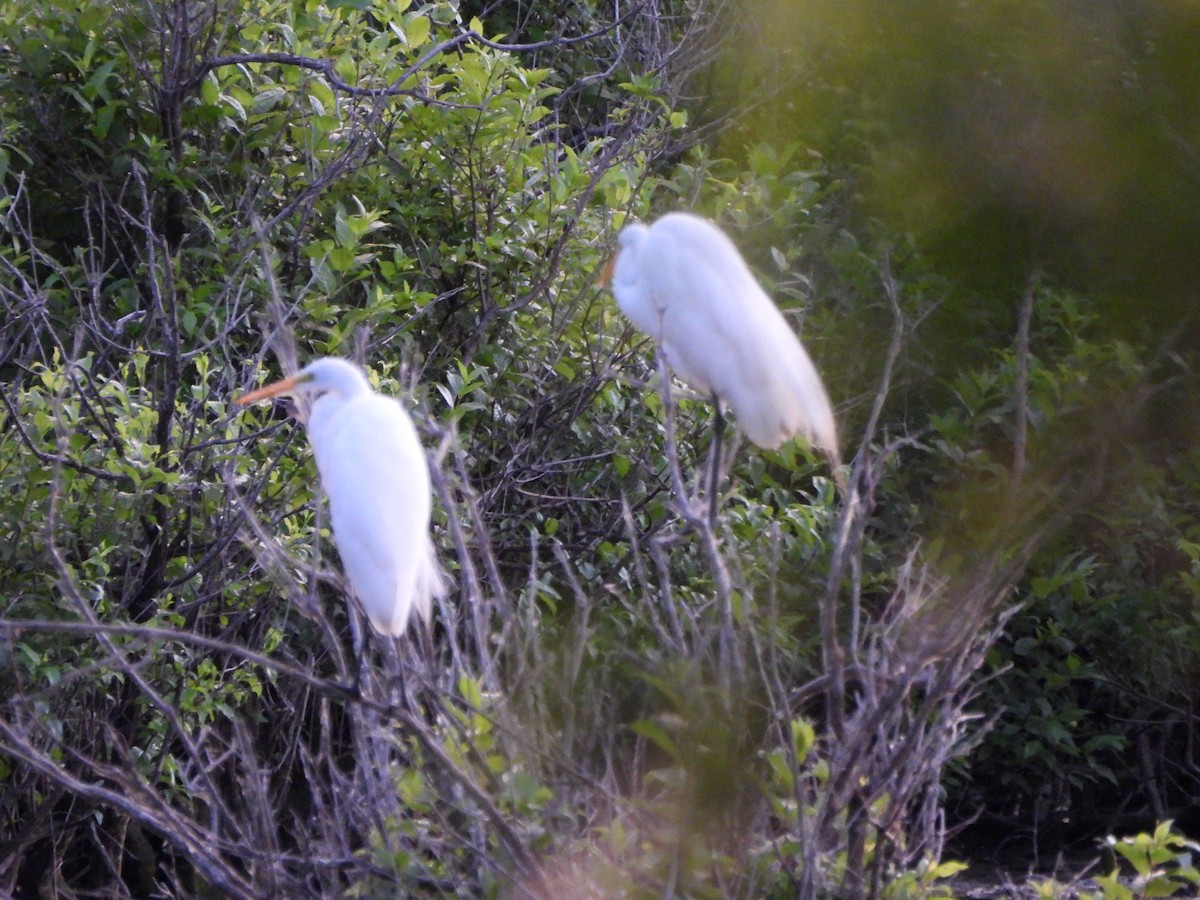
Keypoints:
pixel 617 698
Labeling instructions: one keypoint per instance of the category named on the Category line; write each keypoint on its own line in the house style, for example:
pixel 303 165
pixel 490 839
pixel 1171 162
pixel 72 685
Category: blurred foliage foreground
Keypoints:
pixel 997 620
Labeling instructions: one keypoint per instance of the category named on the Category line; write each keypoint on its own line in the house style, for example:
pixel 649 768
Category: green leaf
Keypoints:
pixel 804 738
pixel 471 691
pixel 268 99
pixel 416 30
pixel 103 122
pixel 1161 887
pixel 210 91
pixel 949 869
pixel 341 259
pixel 238 109
pixel 655 734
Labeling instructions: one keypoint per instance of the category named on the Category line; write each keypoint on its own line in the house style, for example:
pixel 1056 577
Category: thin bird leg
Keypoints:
pixel 683 497
pixel 360 685
pixel 395 689
pixel 714 462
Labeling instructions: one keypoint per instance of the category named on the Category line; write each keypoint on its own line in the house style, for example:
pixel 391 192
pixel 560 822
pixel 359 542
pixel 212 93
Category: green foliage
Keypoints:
pixel 371 176
pixel 924 880
pixel 1098 633
pixel 1049 742
pixel 1006 136
pixel 1161 862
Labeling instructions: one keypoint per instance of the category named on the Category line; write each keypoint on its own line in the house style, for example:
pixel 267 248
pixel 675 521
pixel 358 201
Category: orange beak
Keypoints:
pixel 606 273
pixel 274 389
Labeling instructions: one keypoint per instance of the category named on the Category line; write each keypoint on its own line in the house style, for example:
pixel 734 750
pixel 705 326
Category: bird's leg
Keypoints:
pixel 361 663
pixel 396 687
pixel 682 495
pixel 714 467
pixel 354 688
pixel 416 693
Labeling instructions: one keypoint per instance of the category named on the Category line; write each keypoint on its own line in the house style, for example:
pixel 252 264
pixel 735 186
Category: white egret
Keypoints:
pixel 683 282
pixel 373 469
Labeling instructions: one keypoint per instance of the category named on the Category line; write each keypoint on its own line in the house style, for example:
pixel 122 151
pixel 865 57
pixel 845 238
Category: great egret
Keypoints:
pixel 373 470
pixel 683 282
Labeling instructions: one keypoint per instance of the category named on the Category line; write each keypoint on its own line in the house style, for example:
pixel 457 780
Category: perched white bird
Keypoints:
pixel 373 469
pixel 682 282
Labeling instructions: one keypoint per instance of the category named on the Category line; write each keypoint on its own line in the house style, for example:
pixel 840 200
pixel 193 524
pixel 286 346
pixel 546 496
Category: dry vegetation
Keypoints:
pixel 620 698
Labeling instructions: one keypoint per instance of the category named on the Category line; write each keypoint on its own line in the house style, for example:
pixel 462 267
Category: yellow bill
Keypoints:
pixel 274 389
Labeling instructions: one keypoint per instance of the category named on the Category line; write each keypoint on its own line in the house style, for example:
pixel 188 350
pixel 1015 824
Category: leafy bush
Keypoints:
pixel 621 698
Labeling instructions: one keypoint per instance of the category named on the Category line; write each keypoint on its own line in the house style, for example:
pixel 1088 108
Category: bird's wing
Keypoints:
pixel 689 268
pixel 721 332
pixel 373 470
pixel 800 404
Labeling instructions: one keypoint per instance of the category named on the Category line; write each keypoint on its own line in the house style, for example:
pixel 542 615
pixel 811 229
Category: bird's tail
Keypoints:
pixel 430 581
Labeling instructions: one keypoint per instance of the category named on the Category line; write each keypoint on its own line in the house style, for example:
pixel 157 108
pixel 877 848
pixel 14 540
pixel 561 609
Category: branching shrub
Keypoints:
pixel 621 698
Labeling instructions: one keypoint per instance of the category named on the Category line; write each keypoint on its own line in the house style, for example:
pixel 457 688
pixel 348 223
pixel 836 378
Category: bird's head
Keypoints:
pixel 632 234
pixel 628 238
pixel 328 374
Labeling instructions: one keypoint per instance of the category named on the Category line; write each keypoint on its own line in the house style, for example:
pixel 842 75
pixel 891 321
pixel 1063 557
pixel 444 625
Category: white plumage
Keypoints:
pixel 682 282
pixel 373 470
